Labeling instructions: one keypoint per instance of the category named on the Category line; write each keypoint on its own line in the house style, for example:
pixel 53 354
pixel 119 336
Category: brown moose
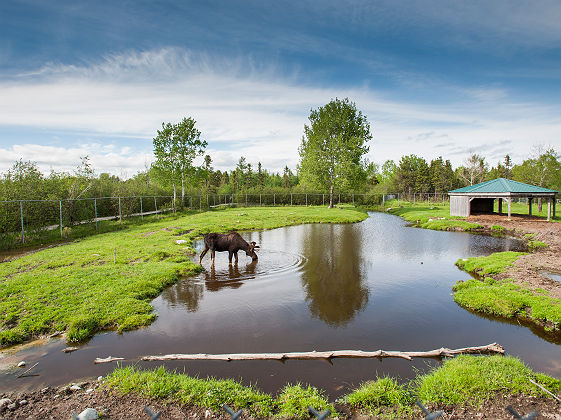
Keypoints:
pixel 232 242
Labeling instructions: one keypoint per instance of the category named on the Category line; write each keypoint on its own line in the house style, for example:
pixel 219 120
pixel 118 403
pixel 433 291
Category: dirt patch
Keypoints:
pixel 530 270
pixel 145 235
pixel 61 403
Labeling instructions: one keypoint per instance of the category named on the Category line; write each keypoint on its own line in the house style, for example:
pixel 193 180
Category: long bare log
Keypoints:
pixel 493 348
pixel 108 359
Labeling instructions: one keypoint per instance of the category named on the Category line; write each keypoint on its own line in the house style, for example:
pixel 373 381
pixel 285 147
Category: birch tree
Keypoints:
pixel 332 147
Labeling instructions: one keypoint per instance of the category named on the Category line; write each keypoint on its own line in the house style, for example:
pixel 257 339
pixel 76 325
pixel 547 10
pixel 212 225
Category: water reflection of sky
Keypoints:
pixel 376 284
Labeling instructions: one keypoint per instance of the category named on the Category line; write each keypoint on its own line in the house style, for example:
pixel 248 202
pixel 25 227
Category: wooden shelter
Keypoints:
pixel 480 198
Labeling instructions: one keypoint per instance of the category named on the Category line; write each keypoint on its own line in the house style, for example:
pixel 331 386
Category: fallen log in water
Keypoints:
pixel 318 355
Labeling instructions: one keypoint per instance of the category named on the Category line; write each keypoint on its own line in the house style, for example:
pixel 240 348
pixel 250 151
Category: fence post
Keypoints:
pixel 60 210
pixel 22 229
pixel 120 214
pixel 200 202
pixel 274 199
pixel 190 202
pixel 156 206
pixel 306 199
pixel 353 199
pixel 95 211
pixel 260 199
pixel 323 199
pixel 339 198
pixel 141 212
pixel 290 198
pixel 246 199
pixel 397 199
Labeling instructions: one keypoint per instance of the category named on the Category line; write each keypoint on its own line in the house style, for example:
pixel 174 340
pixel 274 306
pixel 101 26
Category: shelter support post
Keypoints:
pixel 500 206
pixel 509 201
pixel 554 200
pixel 549 209
pixel 529 206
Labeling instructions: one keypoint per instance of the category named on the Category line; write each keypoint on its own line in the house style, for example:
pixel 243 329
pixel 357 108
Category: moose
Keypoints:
pixel 232 242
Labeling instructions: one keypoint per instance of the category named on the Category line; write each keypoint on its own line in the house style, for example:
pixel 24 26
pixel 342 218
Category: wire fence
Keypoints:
pixel 20 220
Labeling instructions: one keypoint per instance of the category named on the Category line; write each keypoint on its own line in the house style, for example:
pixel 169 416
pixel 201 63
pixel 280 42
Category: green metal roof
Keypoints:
pixel 502 185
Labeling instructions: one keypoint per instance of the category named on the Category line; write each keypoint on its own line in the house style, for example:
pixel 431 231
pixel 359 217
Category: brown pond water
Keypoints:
pixel 372 285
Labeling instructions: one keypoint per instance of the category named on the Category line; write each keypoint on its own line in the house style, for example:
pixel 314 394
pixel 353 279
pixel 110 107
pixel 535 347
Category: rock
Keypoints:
pixel 5 402
pixel 12 406
pixel 69 349
pixel 180 241
pixel 89 390
pixel 208 414
pixel 88 414
pixel 21 364
pixel 23 402
pixel 45 390
pixel 75 388
pixel 100 378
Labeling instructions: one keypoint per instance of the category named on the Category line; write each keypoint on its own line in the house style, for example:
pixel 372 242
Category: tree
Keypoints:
pixel 332 147
pixel 175 147
pixel 413 175
pixel 542 169
pixel 187 145
pixel 474 170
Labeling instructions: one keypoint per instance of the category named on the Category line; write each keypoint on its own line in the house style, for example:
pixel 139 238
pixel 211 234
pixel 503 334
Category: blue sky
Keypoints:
pixel 435 78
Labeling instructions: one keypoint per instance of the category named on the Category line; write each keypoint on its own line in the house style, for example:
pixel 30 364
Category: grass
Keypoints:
pixel 473 380
pixel 108 280
pixel 465 380
pixel 493 264
pixel 435 217
pixel 502 297
pixel 505 299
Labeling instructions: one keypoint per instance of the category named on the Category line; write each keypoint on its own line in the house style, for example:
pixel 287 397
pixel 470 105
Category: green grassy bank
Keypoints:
pixel 501 297
pixel 435 217
pixel 464 380
pixel 107 281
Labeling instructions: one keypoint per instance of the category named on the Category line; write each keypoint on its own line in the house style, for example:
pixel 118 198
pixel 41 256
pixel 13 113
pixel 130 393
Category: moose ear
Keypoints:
pixel 256 246
pixel 252 243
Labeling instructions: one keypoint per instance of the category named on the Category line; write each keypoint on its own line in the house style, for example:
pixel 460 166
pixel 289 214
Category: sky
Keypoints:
pixel 434 78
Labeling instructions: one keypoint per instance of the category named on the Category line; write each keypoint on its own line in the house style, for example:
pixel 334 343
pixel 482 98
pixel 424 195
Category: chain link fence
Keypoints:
pixel 23 220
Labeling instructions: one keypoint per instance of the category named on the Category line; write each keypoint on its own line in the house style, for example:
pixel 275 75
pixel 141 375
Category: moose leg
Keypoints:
pixel 236 256
pixel 230 253
pixel 203 254
pixel 212 255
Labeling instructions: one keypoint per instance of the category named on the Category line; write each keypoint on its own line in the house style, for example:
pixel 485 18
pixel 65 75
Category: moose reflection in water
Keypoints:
pixel 332 278
pixel 234 277
pixel 232 242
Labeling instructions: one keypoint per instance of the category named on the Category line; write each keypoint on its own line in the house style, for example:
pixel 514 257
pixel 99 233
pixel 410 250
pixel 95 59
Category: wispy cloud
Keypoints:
pixel 242 108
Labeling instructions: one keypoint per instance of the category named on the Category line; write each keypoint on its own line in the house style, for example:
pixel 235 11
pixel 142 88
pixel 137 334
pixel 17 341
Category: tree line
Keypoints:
pixel 332 159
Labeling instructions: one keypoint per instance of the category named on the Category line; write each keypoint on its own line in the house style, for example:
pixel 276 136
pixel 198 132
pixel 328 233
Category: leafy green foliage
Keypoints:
pixel 332 147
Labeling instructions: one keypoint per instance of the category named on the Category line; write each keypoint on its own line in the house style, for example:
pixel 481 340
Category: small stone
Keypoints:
pixel 12 406
pixel 180 241
pixel 100 378
pixel 45 390
pixel 88 414
pixel 208 414
pixel 89 390
pixel 23 402
pixel 69 349
pixel 21 364
pixel 4 402
pixel 75 388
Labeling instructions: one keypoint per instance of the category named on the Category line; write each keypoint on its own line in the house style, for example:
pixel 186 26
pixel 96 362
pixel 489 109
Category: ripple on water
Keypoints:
pixel 271 263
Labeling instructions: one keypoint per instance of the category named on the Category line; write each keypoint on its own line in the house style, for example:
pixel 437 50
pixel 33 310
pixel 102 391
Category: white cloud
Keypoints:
pixel 254 113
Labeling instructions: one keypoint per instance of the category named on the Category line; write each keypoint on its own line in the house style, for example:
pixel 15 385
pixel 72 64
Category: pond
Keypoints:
pixel 373 285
